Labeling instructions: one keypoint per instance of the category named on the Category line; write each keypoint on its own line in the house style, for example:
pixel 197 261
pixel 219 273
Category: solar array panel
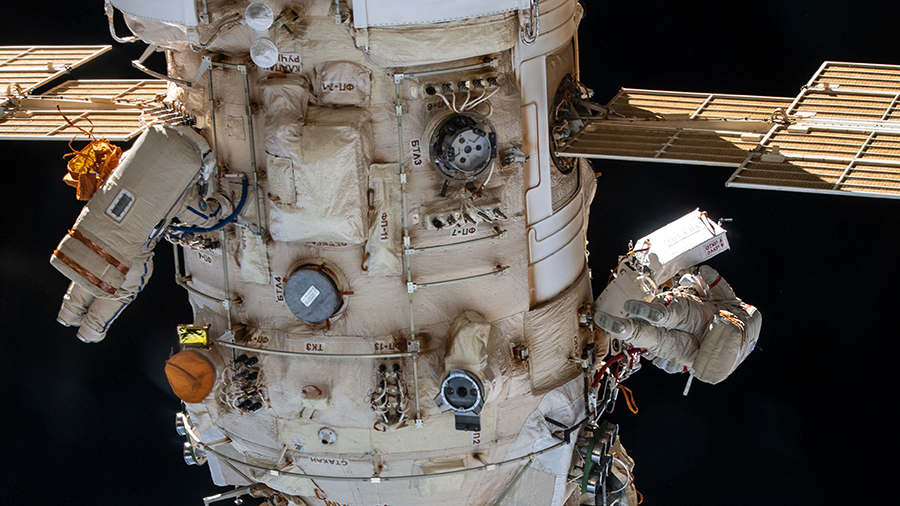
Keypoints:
pixel 133 91
pixel 116 109
pixel 654 141
pixel 115 125
pixel 676 127
pixel 826 161
pixel 870 77
pixel 26 68
pixel 650 104
pixel 840 135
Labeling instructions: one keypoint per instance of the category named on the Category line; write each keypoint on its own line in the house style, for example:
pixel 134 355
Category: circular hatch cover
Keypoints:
pixel 312 295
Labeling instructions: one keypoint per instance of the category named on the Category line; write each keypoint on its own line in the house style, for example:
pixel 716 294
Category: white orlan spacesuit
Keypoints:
pixel 93 315
pixel 708 334
pixel 108 254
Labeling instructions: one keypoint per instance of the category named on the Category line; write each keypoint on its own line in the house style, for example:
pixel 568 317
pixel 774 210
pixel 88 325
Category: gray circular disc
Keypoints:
pixel 312 295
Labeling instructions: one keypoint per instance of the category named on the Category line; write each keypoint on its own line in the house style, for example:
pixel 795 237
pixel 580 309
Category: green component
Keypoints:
pixel 588 463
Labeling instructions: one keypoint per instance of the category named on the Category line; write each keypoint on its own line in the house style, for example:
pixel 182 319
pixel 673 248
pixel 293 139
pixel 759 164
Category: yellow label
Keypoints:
pixel 193 336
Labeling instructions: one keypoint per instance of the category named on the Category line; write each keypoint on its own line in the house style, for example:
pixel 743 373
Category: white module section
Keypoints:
pixel 558 24
pixel 556 256
pixel 416 12
pixel 180 12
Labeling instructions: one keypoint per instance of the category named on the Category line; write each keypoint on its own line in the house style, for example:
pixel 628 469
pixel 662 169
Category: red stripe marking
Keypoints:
pixel 86 274
pixel 99 251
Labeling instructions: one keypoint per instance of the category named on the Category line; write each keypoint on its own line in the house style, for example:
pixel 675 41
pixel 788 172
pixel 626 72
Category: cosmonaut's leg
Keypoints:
pixel 103 312
pixel 672 345
pixel 99 317
pixel 75 305
pixel 674 310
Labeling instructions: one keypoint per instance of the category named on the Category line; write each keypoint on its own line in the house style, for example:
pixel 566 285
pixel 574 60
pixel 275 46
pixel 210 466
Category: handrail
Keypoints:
pixel 414 355
pixel 493 62
pixel 501 234
pixel 285 353
pixel 179 279
pixel 502 271
pixel 379 479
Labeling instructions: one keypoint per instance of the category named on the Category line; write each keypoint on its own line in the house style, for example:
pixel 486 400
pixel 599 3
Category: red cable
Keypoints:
pixel 604 367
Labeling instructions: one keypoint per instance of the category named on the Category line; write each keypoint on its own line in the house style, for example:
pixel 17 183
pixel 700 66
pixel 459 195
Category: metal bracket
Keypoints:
pixel 567 431
pixel 492 63
pixel 112 27
pixel 205 64
pixel 501 234
pixel 139 64
pixel 204 15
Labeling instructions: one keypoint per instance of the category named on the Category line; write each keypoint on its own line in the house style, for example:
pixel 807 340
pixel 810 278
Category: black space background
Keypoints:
pixel 805 420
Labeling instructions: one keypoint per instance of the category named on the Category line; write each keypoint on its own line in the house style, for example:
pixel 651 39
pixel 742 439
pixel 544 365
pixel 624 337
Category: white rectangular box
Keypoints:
pixel 689 240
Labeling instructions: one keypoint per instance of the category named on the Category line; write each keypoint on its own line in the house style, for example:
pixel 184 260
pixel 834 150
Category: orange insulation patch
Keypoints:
pixel 191 375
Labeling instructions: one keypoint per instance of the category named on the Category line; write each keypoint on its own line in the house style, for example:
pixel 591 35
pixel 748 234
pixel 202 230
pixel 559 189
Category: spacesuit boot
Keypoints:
pixel 99 317
pixel 94 315
pixel 671 344
pixel 623 328
pixel 75 305
pixel 649 311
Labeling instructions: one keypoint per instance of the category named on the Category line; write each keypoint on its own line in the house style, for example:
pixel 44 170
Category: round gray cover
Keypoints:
pixel 312 295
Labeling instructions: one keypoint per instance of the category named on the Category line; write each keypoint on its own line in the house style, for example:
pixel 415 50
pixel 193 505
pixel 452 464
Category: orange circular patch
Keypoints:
pixel 191 375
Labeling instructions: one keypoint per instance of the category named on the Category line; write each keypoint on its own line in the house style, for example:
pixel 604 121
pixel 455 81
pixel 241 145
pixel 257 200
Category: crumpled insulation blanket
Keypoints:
pixel 383 247
pixel 552 335
pixel 328 170
pixel 343 83
pixel 419 44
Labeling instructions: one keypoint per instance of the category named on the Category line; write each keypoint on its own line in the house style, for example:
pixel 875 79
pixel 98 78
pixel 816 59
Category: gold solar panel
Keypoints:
pixel 647 104
pixel 118 90
pixel 842 136
pixel 656 142
pixel 115 109
pixel 858 76
pixel 676 127
pixel 826 161
pixel 851 91
pixel 115 125
pixel 26 68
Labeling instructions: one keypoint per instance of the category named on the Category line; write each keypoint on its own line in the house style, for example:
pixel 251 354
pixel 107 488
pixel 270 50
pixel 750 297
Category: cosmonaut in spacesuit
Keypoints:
pixel 94 315
pixel 178 203
pixel 700 327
